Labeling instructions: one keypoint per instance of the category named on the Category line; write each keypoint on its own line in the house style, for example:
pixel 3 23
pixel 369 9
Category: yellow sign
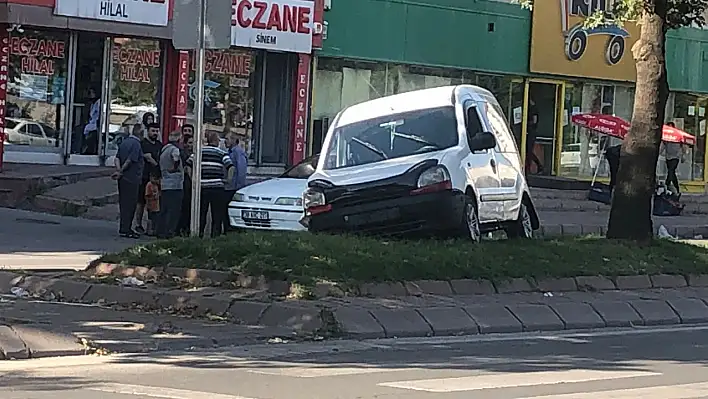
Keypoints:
pixel 561 45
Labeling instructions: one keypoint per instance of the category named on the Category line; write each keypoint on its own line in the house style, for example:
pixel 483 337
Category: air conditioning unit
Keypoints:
pixel 327 5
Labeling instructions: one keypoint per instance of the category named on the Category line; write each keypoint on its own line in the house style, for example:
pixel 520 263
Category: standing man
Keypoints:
pixel 531 134
pixel 151 151
pixel 172 170
pixel 240 162
pixel 216 169
pixel 673 153
pixel 186 150
pixel 129 164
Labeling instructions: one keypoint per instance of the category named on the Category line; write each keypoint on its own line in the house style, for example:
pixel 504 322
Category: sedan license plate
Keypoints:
pixel 255 215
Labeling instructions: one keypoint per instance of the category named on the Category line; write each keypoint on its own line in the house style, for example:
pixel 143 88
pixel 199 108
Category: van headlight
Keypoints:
pixel 289 201
pixel 435 175
pixel 238 197
pixel 313 198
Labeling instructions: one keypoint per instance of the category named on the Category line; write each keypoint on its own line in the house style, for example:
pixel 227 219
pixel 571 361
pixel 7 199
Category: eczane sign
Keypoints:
pixel 284 25
pixel 145 12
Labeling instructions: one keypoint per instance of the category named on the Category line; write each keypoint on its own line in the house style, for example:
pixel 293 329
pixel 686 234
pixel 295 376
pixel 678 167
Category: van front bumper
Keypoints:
pixel 423 213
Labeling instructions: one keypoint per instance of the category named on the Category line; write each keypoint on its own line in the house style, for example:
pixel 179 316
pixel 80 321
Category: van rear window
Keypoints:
pixel 392 136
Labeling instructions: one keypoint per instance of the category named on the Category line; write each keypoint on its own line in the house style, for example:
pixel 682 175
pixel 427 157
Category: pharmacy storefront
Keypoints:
pixel 72 95
pixel 590 71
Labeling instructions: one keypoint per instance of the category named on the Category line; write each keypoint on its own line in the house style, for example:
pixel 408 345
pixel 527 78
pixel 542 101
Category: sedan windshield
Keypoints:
pixel 392 136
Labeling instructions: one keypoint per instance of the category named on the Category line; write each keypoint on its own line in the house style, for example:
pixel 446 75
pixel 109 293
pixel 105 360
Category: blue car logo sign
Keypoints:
pixel 576 36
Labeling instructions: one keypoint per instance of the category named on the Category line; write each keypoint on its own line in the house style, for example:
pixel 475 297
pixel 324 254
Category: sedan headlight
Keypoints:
pixel 434 175
pixel 238 197
pixel 288 201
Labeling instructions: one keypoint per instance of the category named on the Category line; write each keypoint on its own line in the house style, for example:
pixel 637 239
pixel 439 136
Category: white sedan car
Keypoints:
pixel 274 204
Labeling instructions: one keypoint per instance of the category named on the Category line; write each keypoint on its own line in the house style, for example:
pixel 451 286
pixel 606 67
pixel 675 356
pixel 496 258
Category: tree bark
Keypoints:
pixel 630 215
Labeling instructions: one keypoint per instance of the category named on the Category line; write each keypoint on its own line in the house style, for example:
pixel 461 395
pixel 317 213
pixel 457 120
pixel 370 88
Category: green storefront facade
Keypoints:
pixel 381 47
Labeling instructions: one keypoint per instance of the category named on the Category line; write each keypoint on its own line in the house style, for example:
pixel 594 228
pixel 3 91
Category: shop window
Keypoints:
pixel 410 77
pixel 36 91
pixel 135 86
pixel 229 84
pixel 688 113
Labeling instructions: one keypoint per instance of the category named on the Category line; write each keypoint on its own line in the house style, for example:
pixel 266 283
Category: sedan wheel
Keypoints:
pixel 472 223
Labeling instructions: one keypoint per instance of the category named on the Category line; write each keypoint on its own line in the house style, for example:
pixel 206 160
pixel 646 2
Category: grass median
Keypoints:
pixel 306 258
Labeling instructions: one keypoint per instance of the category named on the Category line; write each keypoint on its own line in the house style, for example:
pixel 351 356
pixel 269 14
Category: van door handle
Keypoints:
pixel 493 164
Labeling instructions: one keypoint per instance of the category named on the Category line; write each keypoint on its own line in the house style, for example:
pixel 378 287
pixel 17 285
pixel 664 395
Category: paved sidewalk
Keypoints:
pixel 33 329
pixel 31 240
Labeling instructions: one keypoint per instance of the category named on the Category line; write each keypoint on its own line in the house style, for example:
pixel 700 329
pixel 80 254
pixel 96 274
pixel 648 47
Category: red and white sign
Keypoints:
pixel 284 25
pixel 180 113
pixel 301 100
pixel 145 12
pixel 4 65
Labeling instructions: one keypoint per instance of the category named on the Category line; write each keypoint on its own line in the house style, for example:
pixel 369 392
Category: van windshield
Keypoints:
pixel 392 136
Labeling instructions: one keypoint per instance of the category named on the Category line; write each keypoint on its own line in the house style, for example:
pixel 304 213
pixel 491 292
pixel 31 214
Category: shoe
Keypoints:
pixel 132 235
pixel 140 230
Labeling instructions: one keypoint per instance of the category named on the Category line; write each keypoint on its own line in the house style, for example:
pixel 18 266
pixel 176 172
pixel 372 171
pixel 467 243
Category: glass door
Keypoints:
pixel 543 122
pixel 87 96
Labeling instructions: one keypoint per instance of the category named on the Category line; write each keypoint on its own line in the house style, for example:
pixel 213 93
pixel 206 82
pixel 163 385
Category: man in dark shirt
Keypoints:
pixel 217 168
pixel 151 146
pixel 129 164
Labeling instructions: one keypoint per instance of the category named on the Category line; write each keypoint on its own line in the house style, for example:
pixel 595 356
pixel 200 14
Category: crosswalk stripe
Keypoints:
pixel 158 392
pixel 684 391
pixel 317 372
pixel 538 378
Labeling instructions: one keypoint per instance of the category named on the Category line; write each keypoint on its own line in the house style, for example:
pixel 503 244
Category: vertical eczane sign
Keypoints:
pixel 300 110
pixel 283 25
pixel 4 73
pixel 145 12
pixel 180 113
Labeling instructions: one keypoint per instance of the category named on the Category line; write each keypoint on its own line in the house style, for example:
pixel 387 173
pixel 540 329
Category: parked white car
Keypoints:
pixel 274 204
pixel 434 160
pixel 28 132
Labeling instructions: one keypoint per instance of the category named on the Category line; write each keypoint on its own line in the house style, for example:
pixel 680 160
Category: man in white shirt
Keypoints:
pixel 673 154
pixel 91 128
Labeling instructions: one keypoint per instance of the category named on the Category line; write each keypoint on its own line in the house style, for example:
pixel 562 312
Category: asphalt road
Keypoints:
pixel 651 364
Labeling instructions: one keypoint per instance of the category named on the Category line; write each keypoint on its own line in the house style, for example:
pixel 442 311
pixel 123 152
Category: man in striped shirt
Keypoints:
pixel 217 168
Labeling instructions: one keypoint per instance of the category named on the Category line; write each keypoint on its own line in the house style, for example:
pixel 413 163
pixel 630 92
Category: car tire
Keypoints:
pixel 522 227
pixel 470 221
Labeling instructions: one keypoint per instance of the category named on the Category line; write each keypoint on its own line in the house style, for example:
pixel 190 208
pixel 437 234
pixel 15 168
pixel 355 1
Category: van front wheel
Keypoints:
pixel 471 221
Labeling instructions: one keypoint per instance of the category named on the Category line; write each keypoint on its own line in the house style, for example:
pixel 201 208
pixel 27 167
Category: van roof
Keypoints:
pixel 408 101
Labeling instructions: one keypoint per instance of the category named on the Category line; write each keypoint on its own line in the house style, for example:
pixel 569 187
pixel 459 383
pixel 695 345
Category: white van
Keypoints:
pixel 436 160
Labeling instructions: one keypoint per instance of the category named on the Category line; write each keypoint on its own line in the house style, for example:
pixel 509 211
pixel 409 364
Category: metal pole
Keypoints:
pixel 199 127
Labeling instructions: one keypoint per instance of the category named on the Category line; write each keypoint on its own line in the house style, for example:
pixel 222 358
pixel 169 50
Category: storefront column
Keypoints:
pixel 301 106
pixel 4 65
pixel 176 90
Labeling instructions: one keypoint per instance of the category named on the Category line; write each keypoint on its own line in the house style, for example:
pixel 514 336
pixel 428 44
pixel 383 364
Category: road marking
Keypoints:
pixel 685 391
pixel 315 372
pixel 159 392
pixel 508 380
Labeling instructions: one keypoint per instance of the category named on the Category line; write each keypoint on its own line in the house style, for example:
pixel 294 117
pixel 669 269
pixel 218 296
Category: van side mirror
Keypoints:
pixel 482 141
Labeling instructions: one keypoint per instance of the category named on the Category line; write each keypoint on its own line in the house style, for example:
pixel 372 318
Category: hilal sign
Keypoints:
pixel 284 25
pixel 144 12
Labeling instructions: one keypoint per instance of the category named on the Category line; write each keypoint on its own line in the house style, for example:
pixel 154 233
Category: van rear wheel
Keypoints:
pixel 522 227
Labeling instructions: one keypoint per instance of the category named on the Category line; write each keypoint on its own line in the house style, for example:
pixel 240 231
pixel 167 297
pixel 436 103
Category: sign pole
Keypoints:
pixel 199 126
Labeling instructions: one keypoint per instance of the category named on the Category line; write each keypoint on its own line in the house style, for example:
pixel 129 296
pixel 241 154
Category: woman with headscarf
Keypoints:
pixel 148 118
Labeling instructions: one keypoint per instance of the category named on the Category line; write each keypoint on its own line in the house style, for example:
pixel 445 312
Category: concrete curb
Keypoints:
pixel 352 320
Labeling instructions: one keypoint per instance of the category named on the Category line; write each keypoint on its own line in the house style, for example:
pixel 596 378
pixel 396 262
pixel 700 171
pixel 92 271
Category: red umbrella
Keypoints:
pixel 673 135
pixel 617 127
pixel 606 124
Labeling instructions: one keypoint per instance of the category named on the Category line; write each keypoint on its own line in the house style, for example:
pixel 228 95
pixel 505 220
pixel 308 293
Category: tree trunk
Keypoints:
pixel 630 216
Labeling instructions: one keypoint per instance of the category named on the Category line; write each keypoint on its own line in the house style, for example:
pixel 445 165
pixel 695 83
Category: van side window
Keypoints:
pixel 472 122
pixel 500 128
